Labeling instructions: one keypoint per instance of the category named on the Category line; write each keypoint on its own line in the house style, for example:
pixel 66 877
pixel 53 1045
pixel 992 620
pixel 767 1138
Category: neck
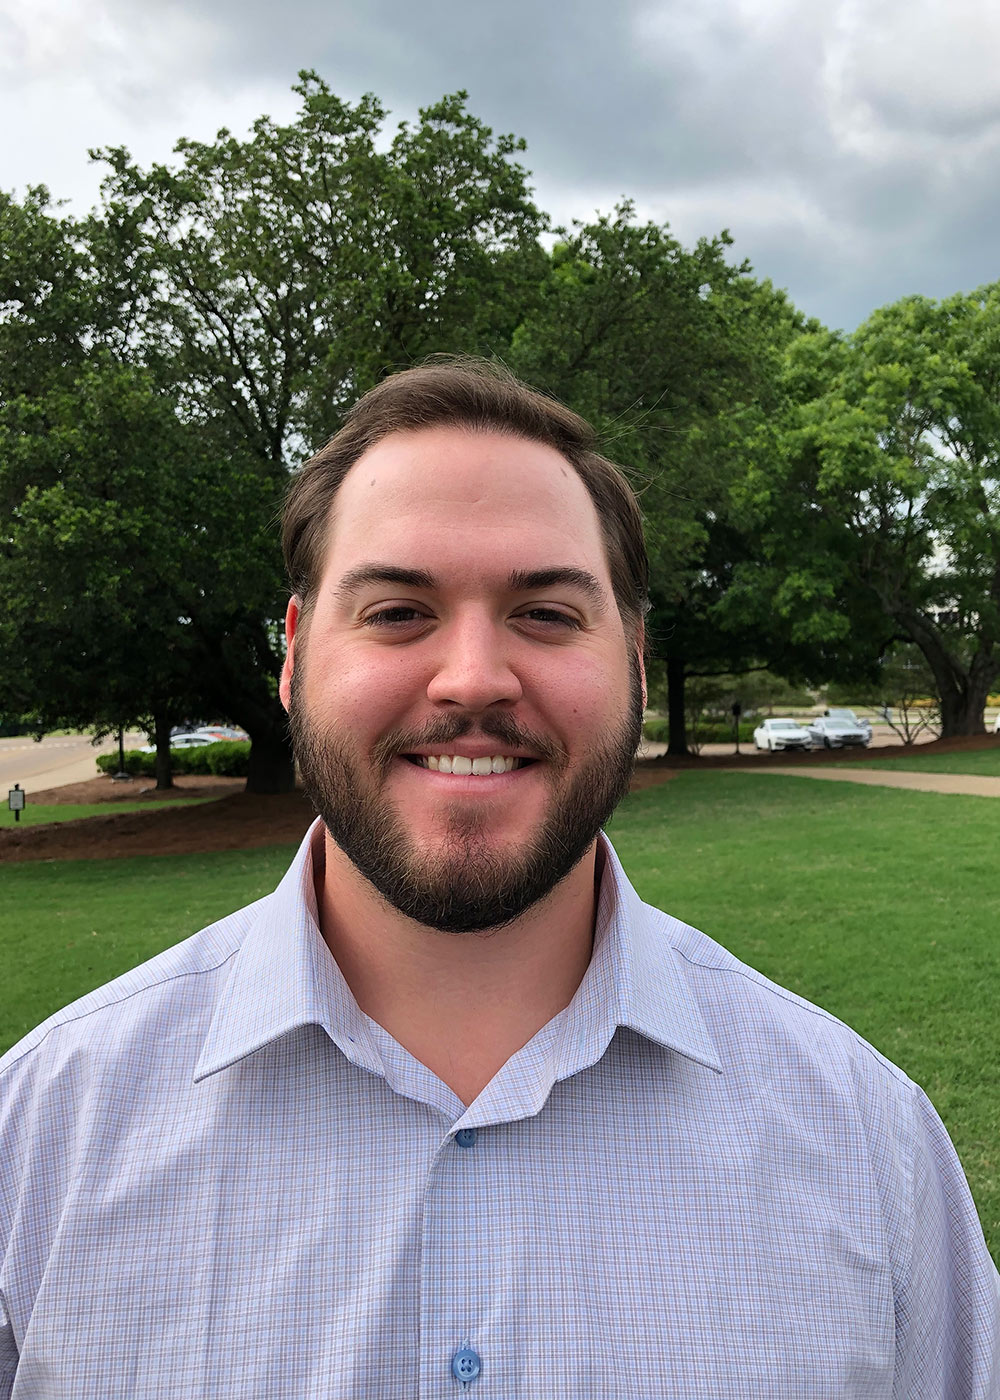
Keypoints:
pixel 463 1003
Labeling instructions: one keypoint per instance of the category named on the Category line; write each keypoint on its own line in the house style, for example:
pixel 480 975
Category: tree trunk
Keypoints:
pixel 962 707
pixel 676 677
pixel 272 763
pixel 962 688
pixel 161 738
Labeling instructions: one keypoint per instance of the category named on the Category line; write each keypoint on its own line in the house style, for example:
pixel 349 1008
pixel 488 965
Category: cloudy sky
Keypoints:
pixel 851 147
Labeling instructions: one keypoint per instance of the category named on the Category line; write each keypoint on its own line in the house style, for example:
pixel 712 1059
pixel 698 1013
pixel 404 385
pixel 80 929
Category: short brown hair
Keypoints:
pixel 483 396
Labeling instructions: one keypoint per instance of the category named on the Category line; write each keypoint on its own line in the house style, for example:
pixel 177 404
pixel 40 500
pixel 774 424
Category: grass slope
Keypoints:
pixel 985 762
pixel 75 811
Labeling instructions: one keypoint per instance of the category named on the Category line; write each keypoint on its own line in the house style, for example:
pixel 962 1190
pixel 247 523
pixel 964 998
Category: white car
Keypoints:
pixel 996 723
pixel 184 741
pixel 834 733
pixel 775 734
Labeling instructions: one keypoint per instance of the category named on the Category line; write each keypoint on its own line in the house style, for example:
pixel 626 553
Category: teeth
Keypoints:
pixel 464 767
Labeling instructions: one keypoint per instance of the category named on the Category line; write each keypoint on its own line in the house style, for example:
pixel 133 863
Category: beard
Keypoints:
pixel 468 886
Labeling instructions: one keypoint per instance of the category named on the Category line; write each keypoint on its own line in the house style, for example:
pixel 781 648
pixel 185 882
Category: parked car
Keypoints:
pixel 835 733
pixel 775 734
pixel 851 718
pixel 996 723
pixel 194 740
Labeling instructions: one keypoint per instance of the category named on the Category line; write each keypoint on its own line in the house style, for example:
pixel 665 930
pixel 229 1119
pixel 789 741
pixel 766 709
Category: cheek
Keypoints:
pixel 588 690
pixel 360 692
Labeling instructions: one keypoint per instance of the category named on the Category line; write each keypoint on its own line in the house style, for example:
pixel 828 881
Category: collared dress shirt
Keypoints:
pixel 219 1178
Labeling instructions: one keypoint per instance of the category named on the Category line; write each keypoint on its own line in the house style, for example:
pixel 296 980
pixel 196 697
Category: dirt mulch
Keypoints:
pixel 240 820
pixel 237 821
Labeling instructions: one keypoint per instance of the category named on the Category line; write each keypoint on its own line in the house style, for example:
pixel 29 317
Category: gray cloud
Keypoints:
pixel 853 149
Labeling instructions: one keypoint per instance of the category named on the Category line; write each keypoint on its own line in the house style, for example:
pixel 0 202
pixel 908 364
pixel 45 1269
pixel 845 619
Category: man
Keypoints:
pixel 452 1109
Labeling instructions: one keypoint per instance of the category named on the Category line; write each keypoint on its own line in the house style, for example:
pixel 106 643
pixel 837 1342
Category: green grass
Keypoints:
pixel 34 815
pixel 983 761
pixel 881 905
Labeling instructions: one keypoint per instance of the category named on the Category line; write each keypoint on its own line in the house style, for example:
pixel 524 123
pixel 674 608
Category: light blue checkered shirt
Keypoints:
pixel 218 1177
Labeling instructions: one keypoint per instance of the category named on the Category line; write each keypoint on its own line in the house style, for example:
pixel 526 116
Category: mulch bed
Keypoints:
pixel 240 820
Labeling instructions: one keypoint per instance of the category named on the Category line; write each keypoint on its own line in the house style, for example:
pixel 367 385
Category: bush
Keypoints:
pixel 137 764
pixel 229 758
pixel 657 731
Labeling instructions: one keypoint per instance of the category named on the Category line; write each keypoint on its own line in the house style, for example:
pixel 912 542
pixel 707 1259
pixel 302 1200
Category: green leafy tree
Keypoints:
pixel 884 503
pixel 116 563
pixel 676 355
pixel 282 275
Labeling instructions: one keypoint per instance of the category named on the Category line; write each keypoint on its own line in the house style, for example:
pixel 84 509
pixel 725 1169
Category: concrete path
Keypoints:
pixel 56 761
pixel 965 784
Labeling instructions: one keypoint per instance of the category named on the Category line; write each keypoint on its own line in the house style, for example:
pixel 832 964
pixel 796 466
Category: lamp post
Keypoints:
pixel 121 776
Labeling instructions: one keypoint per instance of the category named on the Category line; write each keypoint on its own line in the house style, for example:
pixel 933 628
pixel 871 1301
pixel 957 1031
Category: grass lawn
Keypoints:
pixel 985 762
pixel 73 811
pixel 880 905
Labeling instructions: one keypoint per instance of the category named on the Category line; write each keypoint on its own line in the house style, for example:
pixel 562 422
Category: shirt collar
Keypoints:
pixel 283 977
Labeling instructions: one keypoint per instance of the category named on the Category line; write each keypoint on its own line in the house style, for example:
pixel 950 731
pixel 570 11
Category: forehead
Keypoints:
pixel 466 497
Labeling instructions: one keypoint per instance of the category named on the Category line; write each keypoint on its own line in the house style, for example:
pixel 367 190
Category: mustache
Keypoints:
pixel 448 728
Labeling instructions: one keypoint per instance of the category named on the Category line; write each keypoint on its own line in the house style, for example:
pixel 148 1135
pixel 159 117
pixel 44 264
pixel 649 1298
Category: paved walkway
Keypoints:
pixel 965 784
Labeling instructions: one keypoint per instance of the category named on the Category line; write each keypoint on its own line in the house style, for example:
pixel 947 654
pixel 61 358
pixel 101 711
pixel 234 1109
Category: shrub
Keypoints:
pixel 226 759
pixel 657 731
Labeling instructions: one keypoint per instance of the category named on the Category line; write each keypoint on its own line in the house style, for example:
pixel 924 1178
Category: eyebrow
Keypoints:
pixel 528 580
pixel 519 580
pixel 367 574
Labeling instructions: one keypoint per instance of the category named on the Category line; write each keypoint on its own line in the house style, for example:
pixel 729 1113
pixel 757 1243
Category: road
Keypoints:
pixel 57 760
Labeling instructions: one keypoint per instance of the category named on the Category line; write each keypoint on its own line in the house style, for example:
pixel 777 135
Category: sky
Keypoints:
pixel 852 148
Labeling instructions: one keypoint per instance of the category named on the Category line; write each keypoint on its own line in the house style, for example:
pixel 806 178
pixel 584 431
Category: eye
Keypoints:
pixel 398 615
pixel 551 618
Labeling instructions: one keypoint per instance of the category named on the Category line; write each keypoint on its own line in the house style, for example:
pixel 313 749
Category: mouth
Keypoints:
pixel 464 767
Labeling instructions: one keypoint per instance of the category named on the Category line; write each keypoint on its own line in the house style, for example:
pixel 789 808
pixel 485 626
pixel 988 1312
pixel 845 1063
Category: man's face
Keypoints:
pixel 464 620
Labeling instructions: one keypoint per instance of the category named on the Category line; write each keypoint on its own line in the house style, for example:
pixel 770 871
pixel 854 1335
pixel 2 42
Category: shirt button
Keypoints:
pixel 466 1137
pixel 465 1365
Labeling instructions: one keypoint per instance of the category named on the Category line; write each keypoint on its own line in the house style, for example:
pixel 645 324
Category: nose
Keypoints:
pixel 474 667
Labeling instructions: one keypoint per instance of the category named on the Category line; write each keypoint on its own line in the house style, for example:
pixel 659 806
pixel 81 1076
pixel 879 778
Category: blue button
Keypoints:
pixel 465 1365
pixel 466 1137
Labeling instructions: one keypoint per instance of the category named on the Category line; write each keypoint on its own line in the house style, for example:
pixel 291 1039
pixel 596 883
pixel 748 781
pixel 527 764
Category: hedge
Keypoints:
pixel 228 758
pixel 657 731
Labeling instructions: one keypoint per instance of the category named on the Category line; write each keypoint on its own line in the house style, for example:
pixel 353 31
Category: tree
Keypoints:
pixel 885 498
pixel 112 563
pixel 675 355
pixel 282 275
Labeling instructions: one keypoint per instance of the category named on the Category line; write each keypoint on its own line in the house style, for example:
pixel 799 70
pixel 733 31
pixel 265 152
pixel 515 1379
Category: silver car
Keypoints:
pixel 836 733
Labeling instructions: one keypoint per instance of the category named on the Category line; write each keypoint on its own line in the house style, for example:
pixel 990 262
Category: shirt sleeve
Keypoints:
pixel 948 1320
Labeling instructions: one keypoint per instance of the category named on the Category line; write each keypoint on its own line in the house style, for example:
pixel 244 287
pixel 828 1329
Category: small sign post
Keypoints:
pixel 15 800
pixel 737 711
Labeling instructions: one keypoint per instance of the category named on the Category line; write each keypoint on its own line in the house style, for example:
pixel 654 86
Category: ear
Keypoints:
pixel 640 646
pixel 292 615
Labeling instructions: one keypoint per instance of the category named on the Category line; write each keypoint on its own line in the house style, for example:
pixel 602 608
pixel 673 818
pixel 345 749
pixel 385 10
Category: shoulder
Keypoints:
pixel 177 986
pixel 771 1040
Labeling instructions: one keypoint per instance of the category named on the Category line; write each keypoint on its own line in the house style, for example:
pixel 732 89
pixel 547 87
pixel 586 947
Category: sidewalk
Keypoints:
pixel 964 784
